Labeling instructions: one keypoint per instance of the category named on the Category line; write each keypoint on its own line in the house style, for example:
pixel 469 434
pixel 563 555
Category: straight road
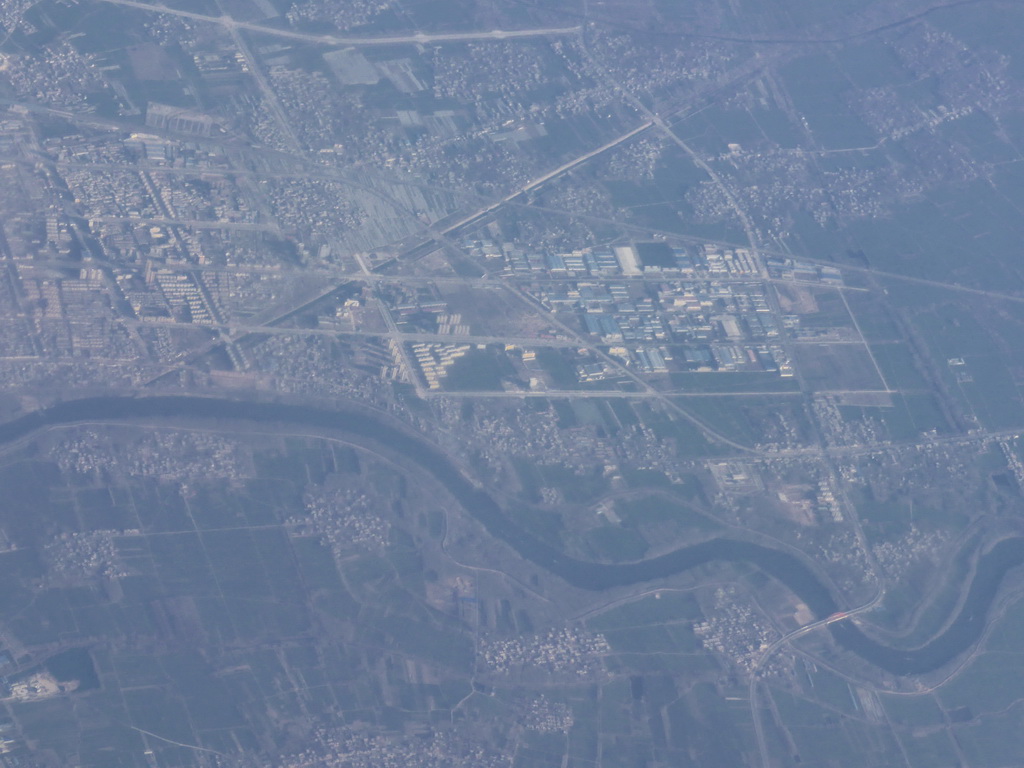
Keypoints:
pixel 572 394
pixel 545 178
pixel 416 37
pixel 159 221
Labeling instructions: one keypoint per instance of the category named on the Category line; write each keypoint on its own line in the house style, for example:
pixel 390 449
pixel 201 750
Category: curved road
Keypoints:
pixel 784 640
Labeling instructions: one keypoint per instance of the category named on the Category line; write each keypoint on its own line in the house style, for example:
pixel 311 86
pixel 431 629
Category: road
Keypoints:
pixel 414 38
pixel 176 743
pixel 745 221
pixel 510 198
pixel 592 393
pixel 617 365
pixel 159 221
pixel 864 340
pixel 610 393
pixel 771 649
pixel 750 230
pixel 545 178
pixel 666 130
pixel 229 335
pixel 270 100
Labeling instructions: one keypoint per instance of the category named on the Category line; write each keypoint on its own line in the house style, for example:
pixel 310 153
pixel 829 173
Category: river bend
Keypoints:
pixel 793 571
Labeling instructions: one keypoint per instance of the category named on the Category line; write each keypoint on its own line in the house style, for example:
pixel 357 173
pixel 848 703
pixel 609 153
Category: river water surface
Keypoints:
pixel 790 569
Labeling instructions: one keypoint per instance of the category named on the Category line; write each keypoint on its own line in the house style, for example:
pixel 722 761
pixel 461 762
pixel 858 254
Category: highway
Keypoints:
pixel 592 393
pixel 159 221
pixel 771 649
pixel 545 178
pixel 413 39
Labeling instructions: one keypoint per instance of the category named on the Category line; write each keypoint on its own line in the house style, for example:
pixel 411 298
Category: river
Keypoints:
pixel 790 569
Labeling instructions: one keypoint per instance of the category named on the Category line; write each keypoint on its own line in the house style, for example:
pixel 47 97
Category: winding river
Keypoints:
pixel 791 570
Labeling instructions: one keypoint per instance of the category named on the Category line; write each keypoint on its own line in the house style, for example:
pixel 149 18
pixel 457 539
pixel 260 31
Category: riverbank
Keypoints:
pixel 786 567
